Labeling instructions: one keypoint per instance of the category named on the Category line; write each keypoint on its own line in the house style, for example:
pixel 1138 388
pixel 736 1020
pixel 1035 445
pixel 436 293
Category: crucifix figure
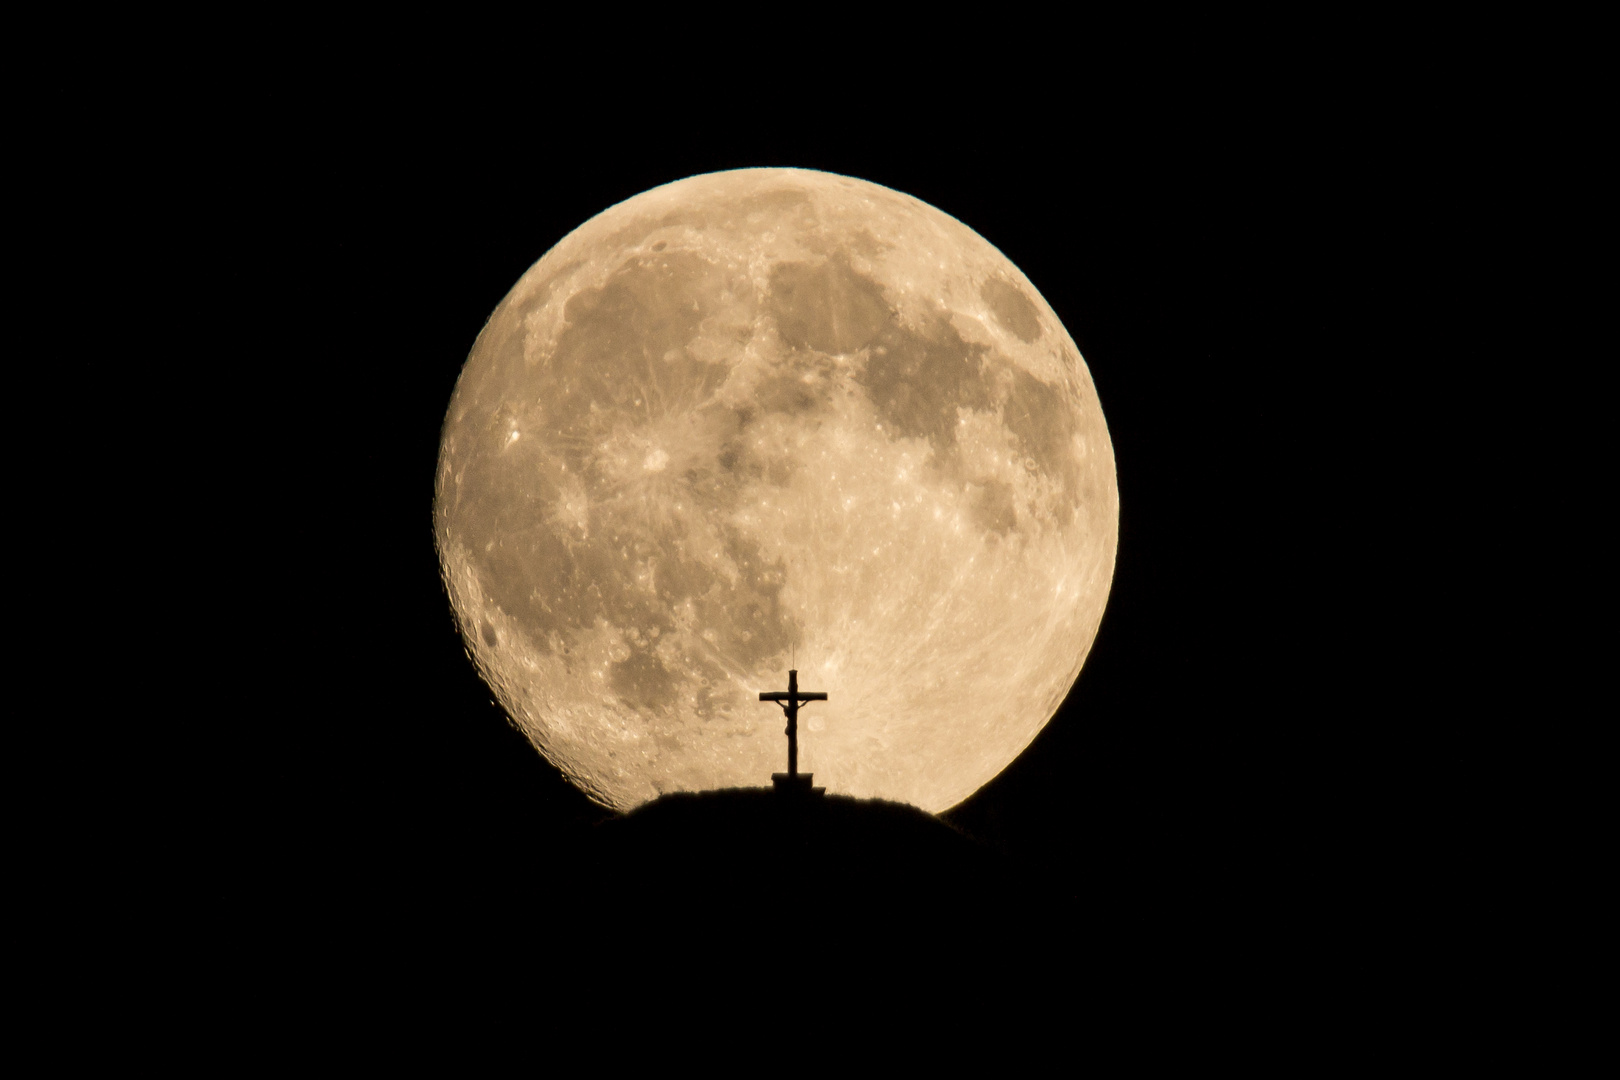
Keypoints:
pixel 790 703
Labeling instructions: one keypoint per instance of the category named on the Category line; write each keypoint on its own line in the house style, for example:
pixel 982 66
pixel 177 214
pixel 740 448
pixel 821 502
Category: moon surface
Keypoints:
pixel 764 417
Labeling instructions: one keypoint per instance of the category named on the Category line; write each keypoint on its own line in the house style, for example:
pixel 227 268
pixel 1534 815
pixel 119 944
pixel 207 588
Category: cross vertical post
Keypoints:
pixel 793 722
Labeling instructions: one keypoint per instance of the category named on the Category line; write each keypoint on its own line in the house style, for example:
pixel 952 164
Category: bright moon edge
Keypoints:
pixel 764 414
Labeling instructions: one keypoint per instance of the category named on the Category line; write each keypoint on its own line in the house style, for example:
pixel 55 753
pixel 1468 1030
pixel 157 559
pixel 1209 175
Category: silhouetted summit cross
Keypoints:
pixel 790 702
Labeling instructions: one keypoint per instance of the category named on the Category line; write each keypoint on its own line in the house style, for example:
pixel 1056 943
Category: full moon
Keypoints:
pixel 764 418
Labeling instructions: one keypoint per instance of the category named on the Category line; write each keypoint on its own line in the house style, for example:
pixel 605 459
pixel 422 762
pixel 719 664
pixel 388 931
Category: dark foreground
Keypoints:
pixel 692 885
pixel 748 910
pixel 803 877
pixel 745 881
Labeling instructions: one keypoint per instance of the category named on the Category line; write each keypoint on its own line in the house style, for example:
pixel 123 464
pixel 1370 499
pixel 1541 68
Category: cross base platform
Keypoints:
pixel 796 785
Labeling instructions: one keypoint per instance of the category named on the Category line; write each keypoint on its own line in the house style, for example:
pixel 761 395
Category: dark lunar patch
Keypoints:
pixel 680 578
pixel 1044 425
pixel 992 506
pixel 551 586
pixel 740 621
pixel 863 242
pixel 919 380
pixel 746 617
pixel 739 460
pixel 625 343
pixel 826 307
pixel 710 678
pixel 1012 309
pixel 489 633
pixel 780 470
pixel 731 457
pixel 510 546
pixel 642 681
pixel 786 394
pixel 509 572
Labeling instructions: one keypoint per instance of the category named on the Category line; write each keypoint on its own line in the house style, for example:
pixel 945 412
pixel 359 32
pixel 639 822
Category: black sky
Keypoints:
pixel 1249 733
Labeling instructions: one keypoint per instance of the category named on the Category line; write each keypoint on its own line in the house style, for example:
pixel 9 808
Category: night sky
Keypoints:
pixel 1247 738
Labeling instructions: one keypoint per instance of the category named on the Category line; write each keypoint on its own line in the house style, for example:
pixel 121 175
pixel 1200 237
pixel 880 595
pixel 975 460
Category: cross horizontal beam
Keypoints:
pixel 779 695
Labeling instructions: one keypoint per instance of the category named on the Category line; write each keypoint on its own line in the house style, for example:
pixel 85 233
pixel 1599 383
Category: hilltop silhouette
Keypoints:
pixel 752 869
pixel 740 901
pixel 717 844
pixel 718 883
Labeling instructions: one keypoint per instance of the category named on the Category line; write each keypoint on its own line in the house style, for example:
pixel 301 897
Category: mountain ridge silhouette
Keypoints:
pixel 824 845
